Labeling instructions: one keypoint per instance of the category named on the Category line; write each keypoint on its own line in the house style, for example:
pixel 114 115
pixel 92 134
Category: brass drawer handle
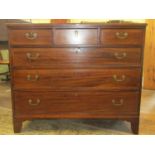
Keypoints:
pixel 35 78
pixel 120 103
pixel 30 101
pixel 30 56
pixel 121 35
pixel 31 35
pixel 120 56
pixel 119 79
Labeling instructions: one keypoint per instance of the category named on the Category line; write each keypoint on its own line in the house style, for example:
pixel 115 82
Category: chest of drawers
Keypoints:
pixel 76 71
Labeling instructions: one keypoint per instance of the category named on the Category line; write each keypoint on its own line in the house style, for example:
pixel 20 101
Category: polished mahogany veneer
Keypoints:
pixel 75 36
pixel 99 79
pixel 31 37
pixel 77 103
pixel 76 71
pixel 75 57
pixel 122 37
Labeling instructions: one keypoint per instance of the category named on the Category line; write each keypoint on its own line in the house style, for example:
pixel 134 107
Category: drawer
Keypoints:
pixel 75 36
pixel 75 57
pixel 30 37
pixel 76 104
pixel 82 79
pixel 122 36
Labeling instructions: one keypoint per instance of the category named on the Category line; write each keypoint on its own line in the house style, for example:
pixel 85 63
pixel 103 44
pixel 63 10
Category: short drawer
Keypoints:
pixel 82 79
pixel 76 104
pixel 122 36
pixel 30 37
pixel 75 36
pixel 75 57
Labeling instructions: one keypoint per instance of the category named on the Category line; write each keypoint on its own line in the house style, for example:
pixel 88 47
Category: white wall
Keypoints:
pixel 85 20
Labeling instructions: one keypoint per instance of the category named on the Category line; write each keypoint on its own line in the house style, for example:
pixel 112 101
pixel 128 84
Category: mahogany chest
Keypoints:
pixel 76 71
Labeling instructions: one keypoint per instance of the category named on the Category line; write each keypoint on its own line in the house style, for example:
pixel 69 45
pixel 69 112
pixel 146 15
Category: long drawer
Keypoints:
pixel 75 57
pixel 76 104
pixel 69 79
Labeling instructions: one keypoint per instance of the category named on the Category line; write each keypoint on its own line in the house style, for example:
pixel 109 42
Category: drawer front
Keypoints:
pixel 75 57
pixel 69 79
pixel 30 37
pixel 121 36
pixel 75 36
pixel 76 104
